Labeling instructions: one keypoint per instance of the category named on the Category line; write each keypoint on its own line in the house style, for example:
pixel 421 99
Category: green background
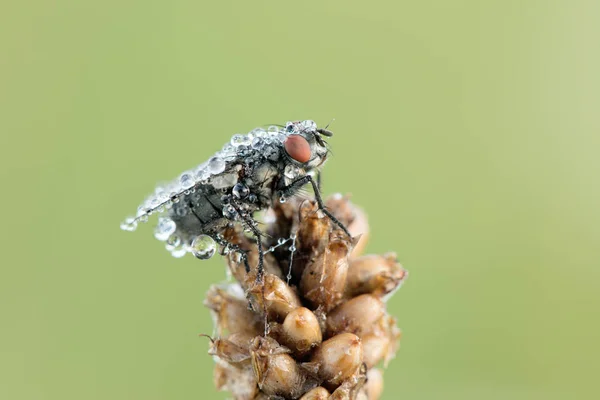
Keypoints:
pixel 468 130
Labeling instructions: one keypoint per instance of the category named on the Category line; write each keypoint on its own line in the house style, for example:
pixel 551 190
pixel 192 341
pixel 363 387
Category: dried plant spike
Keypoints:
pixel 326 326
pixel 276 372
pixel 301 331
pixel 318 393
pixel 338 358
pixel 358 315
pixel 374 274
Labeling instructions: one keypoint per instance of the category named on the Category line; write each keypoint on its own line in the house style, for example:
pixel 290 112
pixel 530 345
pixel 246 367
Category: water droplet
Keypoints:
pixel 240 191
pixel 282 199
pixel 237 140
pixel 181 211
pixel 252 198
pixel 129 225
pixel 258 143
pixel 173 242
pixel 165 228
pixel 281 241
pixel 216 165
pixel 240 140
pixel 271 249
pixel 292 248
pixel 186 180
pixel 203 247
pixel 273 130
pixel 178 252
pixel 259 132
pixel 309 125
pixel 291 171
pixel 229 212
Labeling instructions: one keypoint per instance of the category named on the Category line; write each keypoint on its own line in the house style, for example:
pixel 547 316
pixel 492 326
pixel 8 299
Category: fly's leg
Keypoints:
pixel 260 269
pixel 319 179
pixel 308 179
pixel 250 223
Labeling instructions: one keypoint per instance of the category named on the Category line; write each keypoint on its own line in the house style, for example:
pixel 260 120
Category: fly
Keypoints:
pixel 247 175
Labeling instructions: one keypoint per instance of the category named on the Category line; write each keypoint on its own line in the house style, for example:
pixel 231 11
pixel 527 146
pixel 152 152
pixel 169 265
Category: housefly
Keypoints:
pixel 247 175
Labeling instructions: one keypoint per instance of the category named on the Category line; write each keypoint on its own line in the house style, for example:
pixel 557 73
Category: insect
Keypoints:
pixel 247 175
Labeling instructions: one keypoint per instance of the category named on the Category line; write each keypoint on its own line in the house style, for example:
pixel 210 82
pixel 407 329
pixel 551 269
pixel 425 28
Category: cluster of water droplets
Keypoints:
pixel 259 142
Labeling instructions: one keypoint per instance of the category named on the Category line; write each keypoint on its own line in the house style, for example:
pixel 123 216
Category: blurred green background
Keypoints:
pixel 469 131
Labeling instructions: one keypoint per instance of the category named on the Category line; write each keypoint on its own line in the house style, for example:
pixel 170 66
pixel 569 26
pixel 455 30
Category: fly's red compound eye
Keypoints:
pixel 298 148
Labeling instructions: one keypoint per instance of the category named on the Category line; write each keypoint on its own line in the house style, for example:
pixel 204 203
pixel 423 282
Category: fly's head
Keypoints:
pixel 304 146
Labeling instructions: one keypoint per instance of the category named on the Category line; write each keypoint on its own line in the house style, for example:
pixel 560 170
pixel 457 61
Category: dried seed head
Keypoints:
pixel 374 274
pixel 318 393
pixel 324 279
pixel 300 331
pixel 231 313
pixel 275 296
pixel 346 298
pixel 276 371
pixel 338 358
pixel 358 315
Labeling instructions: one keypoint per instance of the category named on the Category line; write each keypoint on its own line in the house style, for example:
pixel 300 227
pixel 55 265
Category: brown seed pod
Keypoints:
pixel 313 230
pixel 276 371
pixel 230 312
pixel 374 274
pixel 350 389
pixel 300 331
pixel 374 385
pixel 338 358
pixel 376 348
pixel 324 278
pixel 233 350
pixel 239 381
pixel 353 218
pixel 275 296
pixel 358 315
pixel 318 393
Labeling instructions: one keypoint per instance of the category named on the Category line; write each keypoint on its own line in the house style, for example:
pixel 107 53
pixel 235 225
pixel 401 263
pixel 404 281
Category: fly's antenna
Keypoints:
pixel 330 122
pixel 325 131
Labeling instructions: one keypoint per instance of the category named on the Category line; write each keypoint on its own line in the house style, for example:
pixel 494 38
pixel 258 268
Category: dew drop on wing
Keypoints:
pixel 164 229
pixel 216 165
pixel 173 242
pixel 203 247
pixel 186 180
pixel 129 225
pixel 240 191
